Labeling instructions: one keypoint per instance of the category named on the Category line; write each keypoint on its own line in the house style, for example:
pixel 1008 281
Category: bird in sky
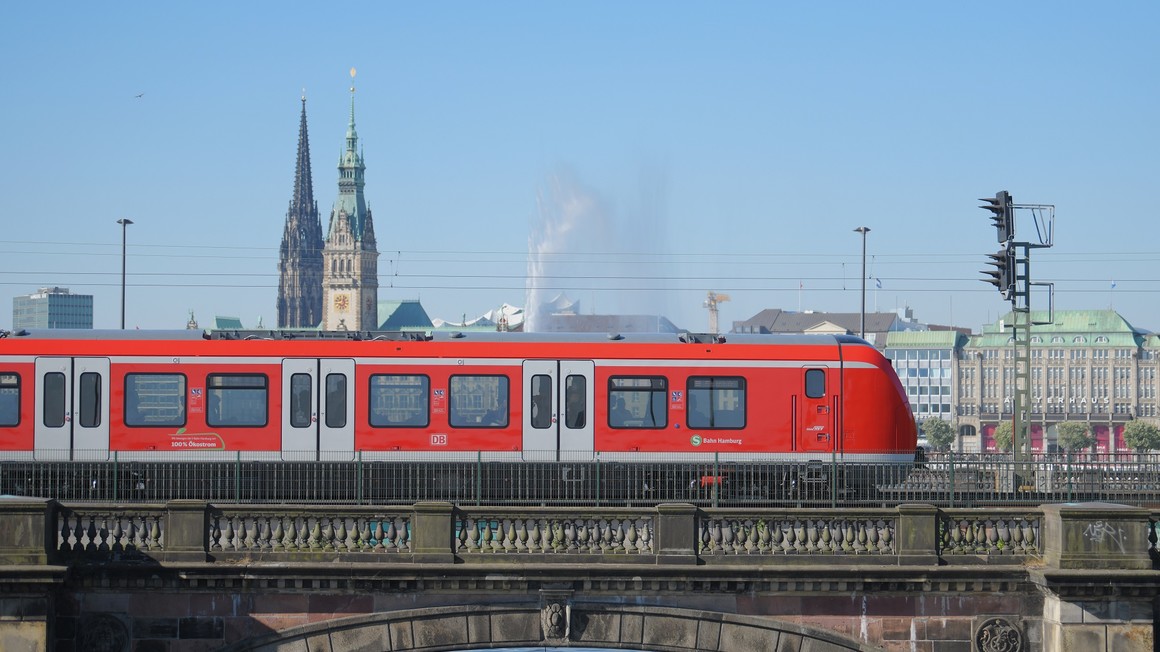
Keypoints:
pixel 140 95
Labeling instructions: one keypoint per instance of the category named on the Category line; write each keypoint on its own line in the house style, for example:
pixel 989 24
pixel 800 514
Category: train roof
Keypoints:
pixel 436 335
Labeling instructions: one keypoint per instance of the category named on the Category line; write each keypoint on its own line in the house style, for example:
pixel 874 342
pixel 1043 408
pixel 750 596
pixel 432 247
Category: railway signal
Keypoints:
pixel 1002 208
pixel 1003 274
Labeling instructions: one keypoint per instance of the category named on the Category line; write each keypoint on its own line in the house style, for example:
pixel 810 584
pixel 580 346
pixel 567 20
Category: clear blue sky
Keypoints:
pixel 678 147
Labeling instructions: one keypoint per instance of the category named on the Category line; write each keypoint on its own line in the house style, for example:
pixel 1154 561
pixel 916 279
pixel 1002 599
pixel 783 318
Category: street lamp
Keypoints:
pixel 124 222
pixel 863 230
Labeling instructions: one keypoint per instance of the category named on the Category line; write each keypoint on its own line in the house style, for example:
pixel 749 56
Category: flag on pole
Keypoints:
pixel 878 283
pixel 1113 285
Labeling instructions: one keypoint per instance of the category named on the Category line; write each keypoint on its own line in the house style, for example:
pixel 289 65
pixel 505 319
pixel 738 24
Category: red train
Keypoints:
pixel 495 396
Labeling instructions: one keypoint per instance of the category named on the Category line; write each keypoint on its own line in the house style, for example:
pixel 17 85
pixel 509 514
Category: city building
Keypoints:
pixel 878 324
pixel 300 257
pixel 1089 366
pixel 350 278
pixel 53 307
pixel 925 363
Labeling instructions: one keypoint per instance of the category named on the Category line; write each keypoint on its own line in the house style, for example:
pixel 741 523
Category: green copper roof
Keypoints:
pixel 1068 325
pixel 403 315
pixel 351 171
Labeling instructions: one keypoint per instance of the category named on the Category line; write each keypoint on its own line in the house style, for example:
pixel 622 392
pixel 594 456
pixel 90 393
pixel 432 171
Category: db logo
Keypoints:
pixel 439 439
pixel 695 440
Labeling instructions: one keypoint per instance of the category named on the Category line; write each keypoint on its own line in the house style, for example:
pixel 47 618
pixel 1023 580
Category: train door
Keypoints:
pixel 318 409
pixel 558 406
pixel 72 409
pixel 816 430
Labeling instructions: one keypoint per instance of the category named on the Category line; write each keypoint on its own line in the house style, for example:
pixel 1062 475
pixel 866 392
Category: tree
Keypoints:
pixel 1141 436
pixel 1074 436
pixel 939 433
pixel 1003 436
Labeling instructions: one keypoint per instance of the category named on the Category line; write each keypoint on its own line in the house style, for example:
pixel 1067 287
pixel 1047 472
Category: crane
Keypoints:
pixel 711 303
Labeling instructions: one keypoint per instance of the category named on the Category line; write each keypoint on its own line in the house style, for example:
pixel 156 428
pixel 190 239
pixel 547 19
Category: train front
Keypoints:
pixel 876 419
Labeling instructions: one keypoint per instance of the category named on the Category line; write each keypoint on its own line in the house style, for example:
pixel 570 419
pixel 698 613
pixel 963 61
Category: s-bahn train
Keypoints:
pixel 492 397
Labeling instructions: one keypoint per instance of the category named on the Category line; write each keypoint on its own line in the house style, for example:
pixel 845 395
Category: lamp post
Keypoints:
pixel 124 222
pixel 862 325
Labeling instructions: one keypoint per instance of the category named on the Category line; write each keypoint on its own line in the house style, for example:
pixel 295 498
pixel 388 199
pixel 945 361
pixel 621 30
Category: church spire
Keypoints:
pixel 300 257
pixel 303 185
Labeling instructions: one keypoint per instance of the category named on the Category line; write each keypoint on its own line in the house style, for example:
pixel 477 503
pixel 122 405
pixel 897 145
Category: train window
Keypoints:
pixel 478 401
pixel 301 391
pixel 541 401
pixel 638 402
pixel 815 383
pixel 237 400
pixel 576 395
pixel 335 400
pixel 9 399
pixel 90 395
pixel 54 400
pixel 155 400
pixel 400 401
pixel 716 402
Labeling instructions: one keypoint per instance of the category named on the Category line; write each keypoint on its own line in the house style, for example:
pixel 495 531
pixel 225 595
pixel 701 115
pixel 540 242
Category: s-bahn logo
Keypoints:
pixel 695 440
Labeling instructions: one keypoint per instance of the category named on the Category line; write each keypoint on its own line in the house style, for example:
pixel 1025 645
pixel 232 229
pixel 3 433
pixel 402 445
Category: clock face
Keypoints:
pixel 342 302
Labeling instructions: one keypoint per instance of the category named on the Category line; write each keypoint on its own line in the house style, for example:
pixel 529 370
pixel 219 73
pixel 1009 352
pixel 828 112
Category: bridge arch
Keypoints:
pixel 550 624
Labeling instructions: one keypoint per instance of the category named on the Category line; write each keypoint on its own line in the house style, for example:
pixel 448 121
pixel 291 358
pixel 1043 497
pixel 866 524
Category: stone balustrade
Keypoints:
pixel 190 530
pixel 1061 576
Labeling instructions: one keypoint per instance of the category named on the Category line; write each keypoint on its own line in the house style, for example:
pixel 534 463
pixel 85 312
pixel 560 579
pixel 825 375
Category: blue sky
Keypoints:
pixel 652 151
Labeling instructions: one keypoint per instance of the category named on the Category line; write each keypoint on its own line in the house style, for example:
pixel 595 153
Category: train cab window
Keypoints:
pixel 90 395
pixel 478 402
pixel 638 402
pixel 237 400
pixel 400 401
pixel 9 399
pixel 336 400
pixel 541 400
pixel 54 400
pixel 575 398
pixel 715 402
pixel 154 400
pixel 301 391
pixel 815 383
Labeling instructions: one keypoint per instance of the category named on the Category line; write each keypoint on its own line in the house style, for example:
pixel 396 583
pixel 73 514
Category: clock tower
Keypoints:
pixel 350 257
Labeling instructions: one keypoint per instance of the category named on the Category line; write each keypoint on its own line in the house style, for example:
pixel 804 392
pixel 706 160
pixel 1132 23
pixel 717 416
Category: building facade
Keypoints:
pixel 925 363
pixel 1088 366
pixel 53 307
pixel 350 278
pixel 878 325
pixel 300 257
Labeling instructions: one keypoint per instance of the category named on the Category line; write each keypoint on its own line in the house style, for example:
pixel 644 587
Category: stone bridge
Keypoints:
pixel 190 576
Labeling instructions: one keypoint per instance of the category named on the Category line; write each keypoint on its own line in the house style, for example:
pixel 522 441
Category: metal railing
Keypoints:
pixel 946 480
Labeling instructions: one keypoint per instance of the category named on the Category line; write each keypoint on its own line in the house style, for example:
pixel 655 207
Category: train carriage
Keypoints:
pixel 334 397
